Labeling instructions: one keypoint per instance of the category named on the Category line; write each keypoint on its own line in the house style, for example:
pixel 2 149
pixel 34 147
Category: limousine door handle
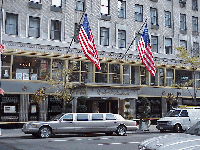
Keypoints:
pixel 115 122
pixel 70 122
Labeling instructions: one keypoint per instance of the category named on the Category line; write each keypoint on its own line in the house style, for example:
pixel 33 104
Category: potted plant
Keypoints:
pixel 144 122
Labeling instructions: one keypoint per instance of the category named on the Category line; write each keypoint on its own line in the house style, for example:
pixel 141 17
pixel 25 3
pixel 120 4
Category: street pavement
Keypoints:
pixel 19 133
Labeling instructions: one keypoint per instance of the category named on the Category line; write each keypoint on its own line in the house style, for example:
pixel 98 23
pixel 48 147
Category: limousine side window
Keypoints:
pixel 97 117
pixel 82 117
pixel 68 117
pixel 110 117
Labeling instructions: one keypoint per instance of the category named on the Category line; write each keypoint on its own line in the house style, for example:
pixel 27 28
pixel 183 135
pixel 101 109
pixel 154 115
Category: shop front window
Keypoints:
pixel 126 74
pixel 144 76
pixel 114 73
pixel 57 67
pixel 86 72
pixel 30 68
pixel 75 76
pixel 5 69
pixel 9 108
pixel 101 75
pixel 183 76
pixel 169 77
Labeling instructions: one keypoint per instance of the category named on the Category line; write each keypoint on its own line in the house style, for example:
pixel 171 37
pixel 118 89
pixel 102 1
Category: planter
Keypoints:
pixel 145 125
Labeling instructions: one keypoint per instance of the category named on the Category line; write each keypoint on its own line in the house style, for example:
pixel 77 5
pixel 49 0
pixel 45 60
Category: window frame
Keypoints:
pixel 156 38
pixel 107 7
pixel 83 5
pixel 122 10
pixel 194 25
pixel 52 1
pixel 38 29
pixel 137 14
pixel 121 39
pixel 55 30
pixel 154 16
pixel 168 46
pixel 185 43
pixel 101 41
pixel 183 22
pixel 11 15
pixel 167 19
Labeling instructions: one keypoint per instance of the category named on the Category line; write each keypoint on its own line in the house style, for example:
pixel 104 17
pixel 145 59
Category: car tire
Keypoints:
pixel 162 131
pixel 121 130
pixel 177 128
pixel 45 132
pixel 109 133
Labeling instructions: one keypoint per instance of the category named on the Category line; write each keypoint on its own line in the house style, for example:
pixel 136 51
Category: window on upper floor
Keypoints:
pixel 168 46
pixel 55 30
pixel 121 9
pixel 154 16
pixel 104 36
pixel 183 44
pixel 79 6
pixel 167 19
pixel 76 32
pixel 105 7
pixel 182 22
pixel 121 38
pixel 57 3
pixel 138 13
pixel 154 43
pixel 195 49
pixel 194 4
pixel 11 24
pixel 194 25
pixel 34 27
pixel 35 1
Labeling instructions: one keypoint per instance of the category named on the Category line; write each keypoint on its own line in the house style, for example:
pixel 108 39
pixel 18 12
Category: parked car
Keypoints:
pixel 179 119
pixel 81 123
pixel 189 140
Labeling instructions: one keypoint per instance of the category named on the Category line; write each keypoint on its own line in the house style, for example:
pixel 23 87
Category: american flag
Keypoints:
pixel 86 41
pixel 145 52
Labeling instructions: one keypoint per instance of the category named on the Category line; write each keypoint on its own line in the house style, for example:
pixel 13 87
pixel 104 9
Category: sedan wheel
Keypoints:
pixel 177 128
pixel 45 132
pixel 121 130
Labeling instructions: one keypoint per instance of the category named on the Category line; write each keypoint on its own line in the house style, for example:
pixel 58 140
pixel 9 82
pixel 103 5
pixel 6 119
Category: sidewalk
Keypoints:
pixel 19 133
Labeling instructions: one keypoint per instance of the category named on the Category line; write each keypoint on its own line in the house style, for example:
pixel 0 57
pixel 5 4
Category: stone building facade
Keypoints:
pixel 38 34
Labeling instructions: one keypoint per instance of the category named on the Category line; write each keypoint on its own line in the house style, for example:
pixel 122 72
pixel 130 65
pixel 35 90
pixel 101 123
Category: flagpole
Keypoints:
pixel 134 38
pixel 74 34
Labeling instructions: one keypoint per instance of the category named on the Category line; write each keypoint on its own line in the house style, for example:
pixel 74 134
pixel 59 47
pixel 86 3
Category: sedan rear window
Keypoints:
pixel 97 117
pixel 110 117
pixel 82 117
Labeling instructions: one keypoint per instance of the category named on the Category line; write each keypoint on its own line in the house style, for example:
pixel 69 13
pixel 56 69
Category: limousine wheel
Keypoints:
pixel 121 130
pixel 45 132
pixel 177 128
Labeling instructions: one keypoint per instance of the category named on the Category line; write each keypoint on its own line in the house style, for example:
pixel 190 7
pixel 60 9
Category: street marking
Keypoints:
pixel 118 143
pixel 60 140
pixel 115 143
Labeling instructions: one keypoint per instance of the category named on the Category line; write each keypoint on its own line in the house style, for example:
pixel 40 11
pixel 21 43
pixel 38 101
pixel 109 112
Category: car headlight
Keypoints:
pixel 169 122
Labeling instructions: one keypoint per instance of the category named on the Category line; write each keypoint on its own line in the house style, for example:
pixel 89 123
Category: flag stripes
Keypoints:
pixel 145 52
pixel 86 41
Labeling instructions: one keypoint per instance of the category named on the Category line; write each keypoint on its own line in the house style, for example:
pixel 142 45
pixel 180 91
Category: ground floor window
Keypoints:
pixel 10 107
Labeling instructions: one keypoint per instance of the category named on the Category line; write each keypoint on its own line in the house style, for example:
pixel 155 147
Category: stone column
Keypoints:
pixel 24 106
pixel 74 104
pixel 133 107
pixel 121 107
pixel 43 110
pixel 164 106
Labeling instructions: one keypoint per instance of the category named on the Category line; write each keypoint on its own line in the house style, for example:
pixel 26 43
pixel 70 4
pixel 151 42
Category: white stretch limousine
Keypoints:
pixel 81 123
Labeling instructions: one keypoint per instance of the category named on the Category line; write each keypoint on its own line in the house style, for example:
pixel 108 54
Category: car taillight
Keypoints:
pixel 136 123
